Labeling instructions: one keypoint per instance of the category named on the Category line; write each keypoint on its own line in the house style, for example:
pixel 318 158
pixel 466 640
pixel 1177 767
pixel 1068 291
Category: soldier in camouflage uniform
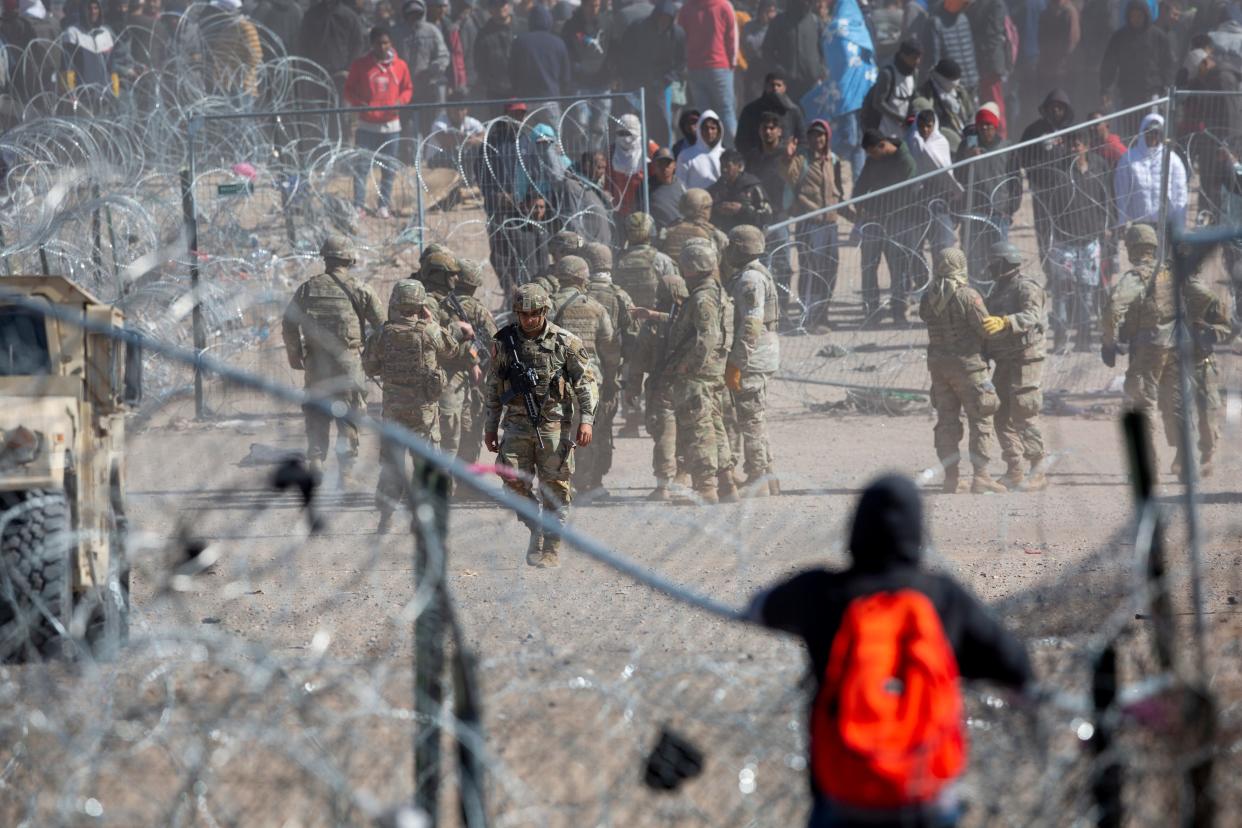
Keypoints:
pixel 620 310
pixel 1015 341
pixel 564 243
pixel 954 313
pixel 480 318
pixel 576 311
pixel 755 356
pixel 699 344
pixel 1139 318
pixel 324 328
pixel 540 454
pixel 639 271
pixel 660 416
pixel 696 212
pixel 406 358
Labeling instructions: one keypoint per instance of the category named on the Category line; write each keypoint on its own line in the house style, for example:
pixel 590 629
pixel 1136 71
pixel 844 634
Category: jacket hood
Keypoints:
pixel 698 136
pixel 1057 96
pixel 888 525
pixel 540 19
pixel 1142 6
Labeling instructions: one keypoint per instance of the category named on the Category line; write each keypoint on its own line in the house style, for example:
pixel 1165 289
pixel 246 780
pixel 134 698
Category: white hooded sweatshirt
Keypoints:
pixel 1136 183
pixel 699 164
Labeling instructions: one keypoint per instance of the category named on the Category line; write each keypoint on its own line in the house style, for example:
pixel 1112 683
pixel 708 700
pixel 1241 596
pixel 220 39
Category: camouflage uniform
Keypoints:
pixel 406 357
pixel 461 409
pixel 440 273
pixel 699 343
pixel 564 243
pixel 639 272
pixel 755 355
pixel 1019 304
pixel 954 313
pixel 564 376
pixel 324 330
pixel 1141 312
pixel 620 310
pixel 696 211
pixel 660 416
pixel 577 312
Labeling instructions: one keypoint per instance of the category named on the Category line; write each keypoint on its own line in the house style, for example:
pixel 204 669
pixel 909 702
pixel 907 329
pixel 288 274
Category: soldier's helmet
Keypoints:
pixel 1006 252
pixel 433 248
pixel 409 294
pixel 564 243
pixel 598 256
pixel 695 203
pixel 530 298
pixel 639 228
pixel 471 273
pixel 441 260
pixel 573 270
pixel 1138 235
pixel 747 240
pixel 338 248
pixel 950 262
pixel 698 257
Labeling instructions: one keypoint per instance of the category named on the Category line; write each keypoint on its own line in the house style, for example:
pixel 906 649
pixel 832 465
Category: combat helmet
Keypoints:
pixel 407 293
pixel 434 247
pixel 598 257
pixel 564 243
pixel 1140 235
pixel 1006 252
pixel 530 298
pixel 695 204
pixel 747 241
pixel 639 228
pixel 471 274
pixel 698 257
pixel 573 270
pixel 338 248
pixel 440 269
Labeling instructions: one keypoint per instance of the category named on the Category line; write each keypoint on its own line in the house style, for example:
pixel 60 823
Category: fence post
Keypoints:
pixel 642 120
pixel 190 217
pixel 418 175
pixel 1106 776
pixel 96 234
pixel 968 228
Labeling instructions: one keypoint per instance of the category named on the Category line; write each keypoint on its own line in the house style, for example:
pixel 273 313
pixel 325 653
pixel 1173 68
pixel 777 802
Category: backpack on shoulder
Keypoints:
pixel 886 727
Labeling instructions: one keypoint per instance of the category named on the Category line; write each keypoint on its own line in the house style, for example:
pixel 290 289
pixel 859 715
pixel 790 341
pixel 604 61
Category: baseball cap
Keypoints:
pixel 663 154
pixel 515 106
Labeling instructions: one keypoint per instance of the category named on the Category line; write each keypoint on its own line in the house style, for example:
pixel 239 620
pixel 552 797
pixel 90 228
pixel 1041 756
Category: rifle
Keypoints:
pixel 522 380
pixel 482 352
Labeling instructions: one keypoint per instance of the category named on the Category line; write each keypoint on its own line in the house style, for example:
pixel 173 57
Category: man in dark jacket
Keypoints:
pixel 737 196
pixel 332 35
pixel 1138 62
pixel 284 19
pixel 651 55
pixel 774 99
pixel 587 40
pixel 996 193
pixel 1044 164
pixel 886 548
pixel 539 61
pixel 791 48
pixel 887 224
pixel 468 21
pixel 987 29
pixel 491 52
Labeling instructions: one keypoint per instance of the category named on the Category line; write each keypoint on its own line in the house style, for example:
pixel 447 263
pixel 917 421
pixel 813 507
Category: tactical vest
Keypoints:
pixel 635 274
pixel 1006 299
pixel 1157 310
pixel 329 321
pixel 949 334
pixel 548 282
pixel 578 315
pixel 607 295
pixel 409 358
pixel 675 238
pixel 771 306
pixel 546 354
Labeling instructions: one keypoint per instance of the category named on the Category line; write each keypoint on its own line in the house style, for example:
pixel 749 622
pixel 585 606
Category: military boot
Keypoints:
pixel 660 493
pixel 682 479
pixel 704 492
pixel 983 483
pixel 1036 481
pixel 774 486
pixel 550 557
pixel 756 486
pixel 726 488
pixel 1014 476
pixel 534 549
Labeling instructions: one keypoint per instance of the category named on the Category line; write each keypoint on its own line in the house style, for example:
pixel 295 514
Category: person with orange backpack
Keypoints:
pixel 888 643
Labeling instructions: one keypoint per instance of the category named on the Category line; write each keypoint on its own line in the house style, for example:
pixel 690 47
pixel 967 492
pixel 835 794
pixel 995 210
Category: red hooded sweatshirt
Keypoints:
pixel 711 34
pixel 371 83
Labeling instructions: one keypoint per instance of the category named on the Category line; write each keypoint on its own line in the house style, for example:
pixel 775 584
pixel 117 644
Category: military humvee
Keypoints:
pixel 64 390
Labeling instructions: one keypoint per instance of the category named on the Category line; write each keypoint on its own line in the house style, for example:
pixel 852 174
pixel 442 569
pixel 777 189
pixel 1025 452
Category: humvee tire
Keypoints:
pixel 35 577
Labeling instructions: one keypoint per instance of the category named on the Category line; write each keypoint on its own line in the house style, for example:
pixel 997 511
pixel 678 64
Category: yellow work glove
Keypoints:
pixel 733 377
pixel 993 325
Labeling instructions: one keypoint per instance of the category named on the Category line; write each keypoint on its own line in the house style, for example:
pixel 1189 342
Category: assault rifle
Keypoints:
pixel 522 380
pixel 482 352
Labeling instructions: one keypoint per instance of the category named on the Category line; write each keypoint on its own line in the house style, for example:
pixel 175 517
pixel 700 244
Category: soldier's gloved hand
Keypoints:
pixel 993 325
pixel 490 440
pixel 1108 353
pixel 733 377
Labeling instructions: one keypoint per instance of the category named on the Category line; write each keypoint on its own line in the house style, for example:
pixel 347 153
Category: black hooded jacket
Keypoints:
pixel 792 121
pixel 1043 162
pixel 539 61
pixel 1139 61
pixel 886 544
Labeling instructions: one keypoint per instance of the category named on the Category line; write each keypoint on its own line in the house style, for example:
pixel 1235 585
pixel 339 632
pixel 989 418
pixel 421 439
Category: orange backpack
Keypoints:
pixel 886 727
